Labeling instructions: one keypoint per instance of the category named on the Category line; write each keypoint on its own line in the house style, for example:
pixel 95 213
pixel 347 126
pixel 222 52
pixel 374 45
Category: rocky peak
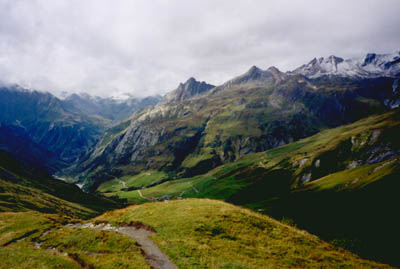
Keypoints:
pixel 313 62
pixel 254 73
pixel 334 60
pixel 190 85
pixel 187 90
pixel 278 75
pixel 369 59
pixel 254 76
pixel 254 70
pixel 273 69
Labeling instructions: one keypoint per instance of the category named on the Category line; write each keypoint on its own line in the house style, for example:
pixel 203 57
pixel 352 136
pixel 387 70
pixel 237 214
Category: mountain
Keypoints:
pixel 340 184
pixel 108 108
pixel 187 90
pixel 46 121
pixel 53 133
pixel 370 66
pixel 315 148
pixel 15 141
pixel 264 140
pixel 253 112
pixel 254 76
pixel 215 233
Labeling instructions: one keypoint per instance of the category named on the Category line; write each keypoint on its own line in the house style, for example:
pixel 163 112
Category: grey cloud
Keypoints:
pixel 147 47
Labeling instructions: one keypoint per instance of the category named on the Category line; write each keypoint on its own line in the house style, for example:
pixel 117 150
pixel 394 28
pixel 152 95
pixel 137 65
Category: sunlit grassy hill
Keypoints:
pixel 194 233
pixel 202 233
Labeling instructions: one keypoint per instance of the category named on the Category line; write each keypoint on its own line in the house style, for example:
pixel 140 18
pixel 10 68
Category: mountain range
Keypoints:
pixel 108 108
pixel 370 66
pixel 314 147
pixel 198 126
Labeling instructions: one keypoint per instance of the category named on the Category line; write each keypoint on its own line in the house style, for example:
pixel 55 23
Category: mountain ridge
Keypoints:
pixel 255 111
pixel 369 66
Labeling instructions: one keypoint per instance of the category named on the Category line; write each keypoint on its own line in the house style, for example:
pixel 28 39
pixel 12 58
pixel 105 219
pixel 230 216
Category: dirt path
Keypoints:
pixel 141 195
pixel 152 253
pixel 123 183
pixel 194 188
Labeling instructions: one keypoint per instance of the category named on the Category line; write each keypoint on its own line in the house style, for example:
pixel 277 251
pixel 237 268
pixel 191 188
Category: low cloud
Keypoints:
pixel 147 47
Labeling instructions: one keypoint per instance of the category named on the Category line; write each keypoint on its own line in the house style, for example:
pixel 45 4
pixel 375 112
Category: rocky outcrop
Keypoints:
pixel 367 148
pixel 137 139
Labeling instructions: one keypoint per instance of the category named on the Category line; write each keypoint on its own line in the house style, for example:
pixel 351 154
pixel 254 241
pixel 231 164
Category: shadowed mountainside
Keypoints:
pixel 25 188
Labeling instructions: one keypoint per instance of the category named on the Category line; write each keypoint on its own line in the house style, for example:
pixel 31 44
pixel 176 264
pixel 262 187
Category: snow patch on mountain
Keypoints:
pixel 370 66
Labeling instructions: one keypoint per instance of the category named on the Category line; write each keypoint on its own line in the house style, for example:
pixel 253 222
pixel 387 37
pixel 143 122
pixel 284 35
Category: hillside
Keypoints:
pixel 212 234
pixel 194 234
pixel 25 188
pixel 325 183
pixel 37 240
pixel 13 139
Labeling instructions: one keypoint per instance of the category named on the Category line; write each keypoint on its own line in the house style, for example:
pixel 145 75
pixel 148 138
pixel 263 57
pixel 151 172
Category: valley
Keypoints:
pixel 286 183
pixel 269 169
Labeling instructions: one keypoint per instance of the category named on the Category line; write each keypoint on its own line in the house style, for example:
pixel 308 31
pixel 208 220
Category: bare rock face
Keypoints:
pixel 137 139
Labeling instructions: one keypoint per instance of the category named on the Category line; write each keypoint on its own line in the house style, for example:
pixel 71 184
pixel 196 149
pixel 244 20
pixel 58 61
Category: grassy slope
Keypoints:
pixel 197 233
pixel 24 188
pixel 194 233
pixel 133 182
pixel 14 197
pixel 352 207
pixel 62 247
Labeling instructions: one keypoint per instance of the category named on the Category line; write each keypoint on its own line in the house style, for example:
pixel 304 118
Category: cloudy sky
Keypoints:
pixel 105 47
